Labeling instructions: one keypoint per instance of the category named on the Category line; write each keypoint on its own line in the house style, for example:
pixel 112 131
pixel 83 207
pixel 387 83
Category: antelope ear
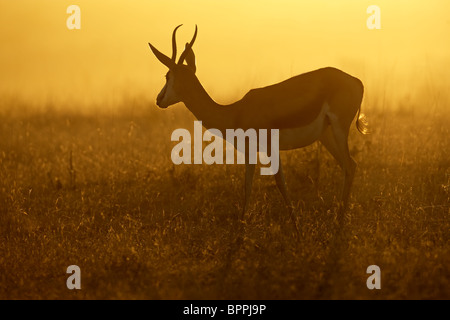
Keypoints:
pixel 165 60
pixel 190 58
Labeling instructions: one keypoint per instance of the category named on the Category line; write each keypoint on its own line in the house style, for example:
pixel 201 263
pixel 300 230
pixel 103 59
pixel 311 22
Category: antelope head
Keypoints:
pixel 179 74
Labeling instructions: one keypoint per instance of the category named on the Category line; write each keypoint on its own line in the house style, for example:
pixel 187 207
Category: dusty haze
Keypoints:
pixel 93 183
pixel 240 45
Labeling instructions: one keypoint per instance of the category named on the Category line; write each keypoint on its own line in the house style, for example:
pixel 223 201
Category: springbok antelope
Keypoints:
pixel 318 105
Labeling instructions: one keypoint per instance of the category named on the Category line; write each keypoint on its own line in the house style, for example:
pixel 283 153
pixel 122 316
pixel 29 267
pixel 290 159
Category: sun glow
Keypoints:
pixel 240 45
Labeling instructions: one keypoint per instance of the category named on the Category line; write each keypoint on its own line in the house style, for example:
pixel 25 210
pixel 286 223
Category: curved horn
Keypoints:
pixel 162 57
pixel 174 43
pixel 188 47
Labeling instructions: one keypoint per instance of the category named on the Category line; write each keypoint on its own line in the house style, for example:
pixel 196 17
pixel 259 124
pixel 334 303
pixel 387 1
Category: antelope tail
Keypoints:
pixel 361 122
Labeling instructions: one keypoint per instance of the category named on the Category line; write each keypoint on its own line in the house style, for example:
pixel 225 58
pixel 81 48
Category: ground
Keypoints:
pixel 99 190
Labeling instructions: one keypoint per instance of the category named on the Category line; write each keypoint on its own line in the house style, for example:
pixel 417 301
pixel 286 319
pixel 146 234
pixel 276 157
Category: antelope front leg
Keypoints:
pixel 249 173
pixel 281 184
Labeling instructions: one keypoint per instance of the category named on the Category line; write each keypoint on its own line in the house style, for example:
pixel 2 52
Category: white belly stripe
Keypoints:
pixel 302 136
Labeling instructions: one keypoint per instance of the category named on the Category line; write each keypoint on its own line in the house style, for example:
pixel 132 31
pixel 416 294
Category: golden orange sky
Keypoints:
pixel 240 45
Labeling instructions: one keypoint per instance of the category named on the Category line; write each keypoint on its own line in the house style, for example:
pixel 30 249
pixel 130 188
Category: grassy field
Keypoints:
pixel 99 190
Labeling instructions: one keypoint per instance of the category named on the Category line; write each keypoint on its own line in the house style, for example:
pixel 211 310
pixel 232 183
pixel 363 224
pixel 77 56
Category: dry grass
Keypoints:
pixel 100 191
